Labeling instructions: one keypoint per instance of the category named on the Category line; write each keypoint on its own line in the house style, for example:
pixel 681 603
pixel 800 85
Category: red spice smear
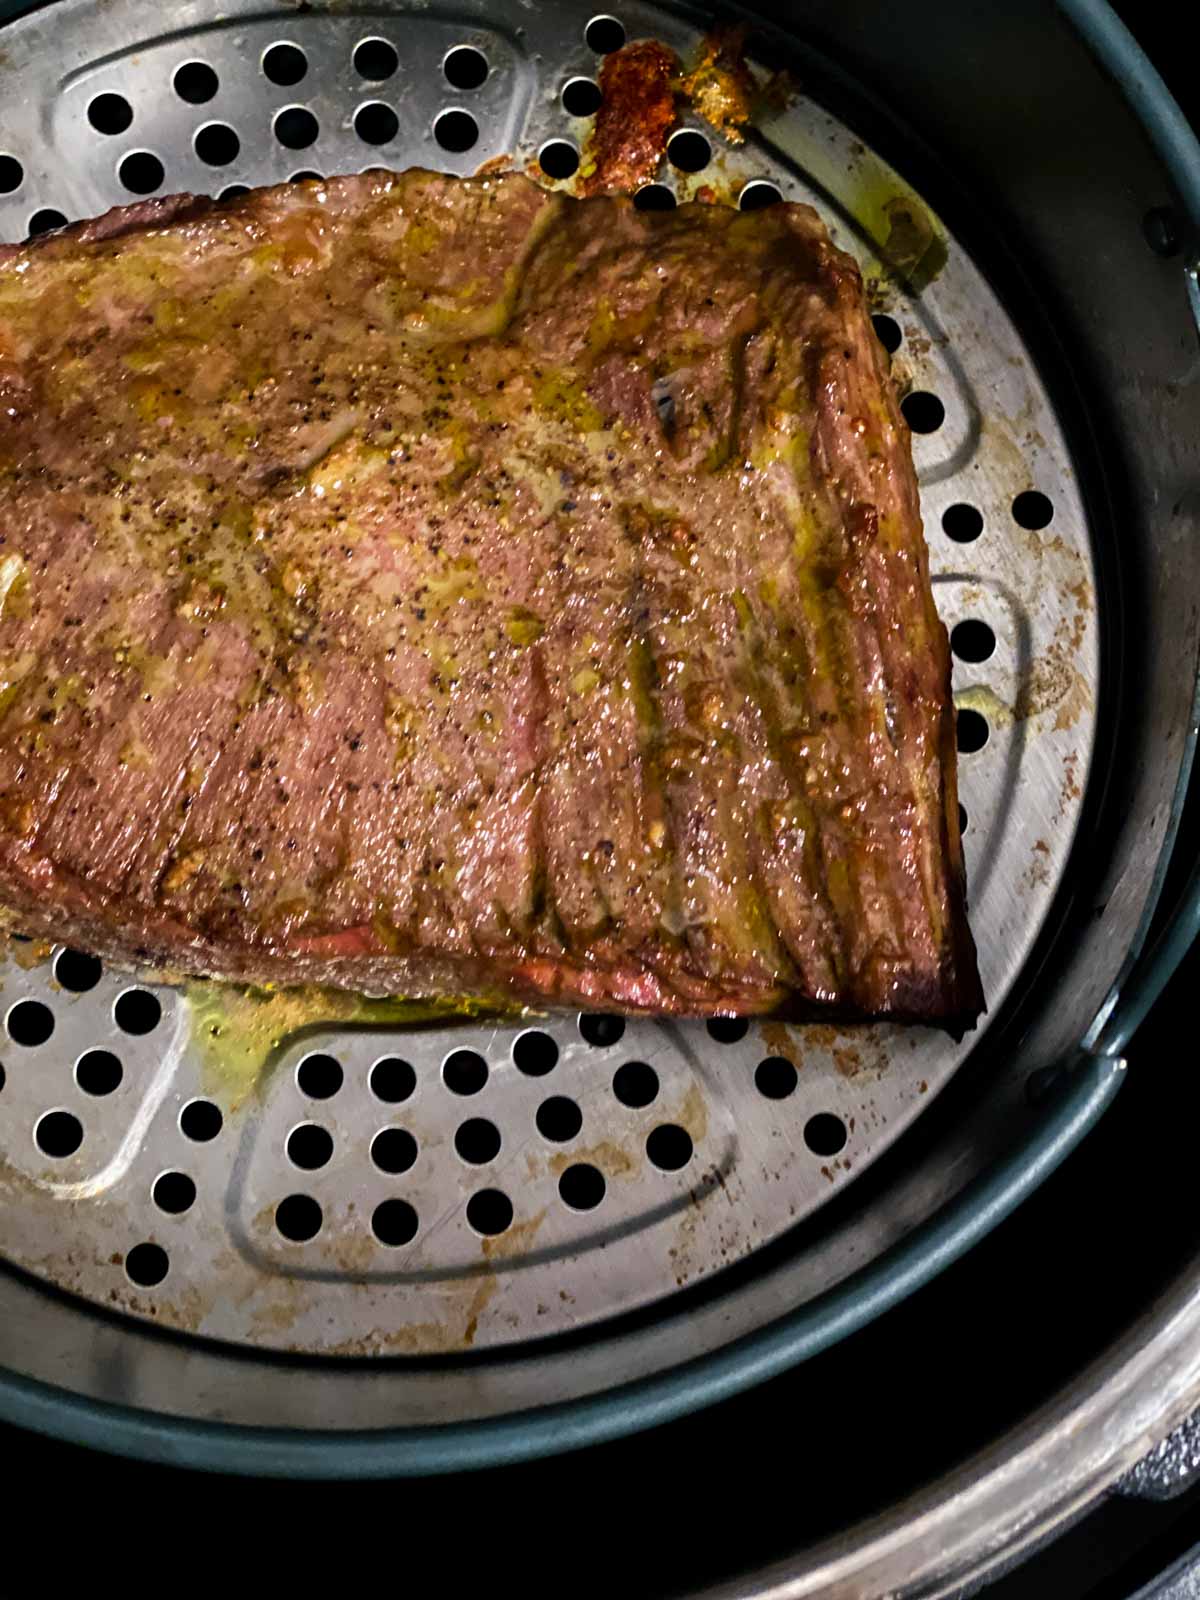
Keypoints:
pixel 634 119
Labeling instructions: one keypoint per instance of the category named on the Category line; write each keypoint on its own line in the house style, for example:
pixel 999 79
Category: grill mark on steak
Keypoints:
pixel 425 585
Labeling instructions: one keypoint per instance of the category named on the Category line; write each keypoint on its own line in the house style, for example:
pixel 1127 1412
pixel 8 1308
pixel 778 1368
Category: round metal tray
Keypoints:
pixel 382 1192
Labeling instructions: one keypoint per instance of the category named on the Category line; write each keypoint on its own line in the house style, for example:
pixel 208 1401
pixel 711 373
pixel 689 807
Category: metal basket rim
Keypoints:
pixel 1084 1095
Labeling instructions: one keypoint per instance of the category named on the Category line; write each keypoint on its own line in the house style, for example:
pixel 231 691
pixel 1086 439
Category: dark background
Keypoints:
pixel 720 1492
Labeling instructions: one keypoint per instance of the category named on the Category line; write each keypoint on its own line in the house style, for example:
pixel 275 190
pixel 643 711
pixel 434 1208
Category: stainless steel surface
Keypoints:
pixel 956 1534
pixel 747 1171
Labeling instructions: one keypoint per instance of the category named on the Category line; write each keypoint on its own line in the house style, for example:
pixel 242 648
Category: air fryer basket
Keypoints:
pixel 628 1221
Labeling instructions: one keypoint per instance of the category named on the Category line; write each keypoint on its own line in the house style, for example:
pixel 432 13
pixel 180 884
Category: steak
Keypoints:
pixel 440 587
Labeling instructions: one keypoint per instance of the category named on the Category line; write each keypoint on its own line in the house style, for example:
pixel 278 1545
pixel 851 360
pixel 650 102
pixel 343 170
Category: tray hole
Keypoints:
pixel 375 60
pixel 887 331
pixel 923 411
pixel 110 113
pixel 601 1031
pixel 147 1265
pixel 635 1084
pixel 971 731
pixel 582 1186
pixel 604 34
pixel 296 128
pixel 394 1222
pixel 77 971
pixel 393 1150
pixel 655 197
pixel 201 1121
pixel 320 1076
pixel 669 1147
pixel 392 1080
pixel 217 144
pixel 2 1077
pixel 689 150
pixel 962 523
pixel 299 1218
pixel 376 123
pixel 972 640
pixel 478 1141
pixel 825 1134
pixel 45 221
pixel 58 1134
pixel 137 1011
pixel 30 1023
pixel 196 82
pixel 558 159
pixel 464 1072
pixel 489 1212
pixel 284 64
pixel 581 97
pixel 775 1078
pixel 233 191
pixel 99 1072
pixel 309 1147
pixel 141 172
pixel 758 194
pixel 465 68
pixel 1033 510
pixel 535 1054
pixel 12 174
pixel 306 175
pixel 174 1193
pixel 456 131
pixel 727 1030
pixel 558 1119
pixel 963 819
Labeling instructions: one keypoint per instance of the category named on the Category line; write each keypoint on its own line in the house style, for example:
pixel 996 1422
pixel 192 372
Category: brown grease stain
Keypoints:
pixel 1055 682
pixel 852 1051
pixel 693 1114
pixel 847 1060
pixel 462 1310
pixel 25 953
pixel 612 1160
pixel 1071 788
pixel 494 166
pixel 513 1242
pixel 1038 873
pixel 778 1038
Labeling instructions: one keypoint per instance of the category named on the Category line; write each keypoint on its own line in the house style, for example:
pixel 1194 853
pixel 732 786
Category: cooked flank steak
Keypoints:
pixel 444 587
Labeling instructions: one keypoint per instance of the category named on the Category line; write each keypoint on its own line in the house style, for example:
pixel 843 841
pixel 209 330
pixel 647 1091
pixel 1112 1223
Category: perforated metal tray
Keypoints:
pixel 427 1191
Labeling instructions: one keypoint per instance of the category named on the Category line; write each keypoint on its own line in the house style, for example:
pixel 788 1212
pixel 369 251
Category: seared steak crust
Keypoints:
pixel 435 587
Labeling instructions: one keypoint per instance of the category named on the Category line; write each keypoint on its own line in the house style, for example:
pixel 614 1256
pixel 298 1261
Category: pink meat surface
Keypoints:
pixel 440 587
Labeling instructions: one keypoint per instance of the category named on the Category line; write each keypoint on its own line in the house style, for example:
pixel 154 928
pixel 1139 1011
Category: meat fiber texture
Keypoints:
pixel 445 587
